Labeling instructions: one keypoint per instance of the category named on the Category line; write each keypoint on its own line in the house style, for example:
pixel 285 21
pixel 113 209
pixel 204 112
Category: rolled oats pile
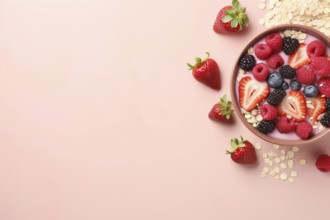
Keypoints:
pixel 313 13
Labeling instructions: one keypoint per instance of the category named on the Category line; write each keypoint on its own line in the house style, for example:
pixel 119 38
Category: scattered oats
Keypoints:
pixel 290 164
pixel 257 146
pixel 272 173
pixel 261 21
pixel 276 146
pixel 302 162
pixel 290 180
pixel 261 6
pixel 252 120
pixel 250 50
pixel 283 165
pixel 270 163
pixel 294 173
pixel 283 176
pixel 259 118
pixel 295 149
pixel 265 155
pixel 321 127
pixel 290 154
pixel 263 175
pixel 277 160
pixel 277 170
pixel 241 71
pixel 248 116
pixel 282 157
pixel 266 160
pixel 313 13
pixel 254 112
pixel 277 177
pixel 265 170
pixel 254 124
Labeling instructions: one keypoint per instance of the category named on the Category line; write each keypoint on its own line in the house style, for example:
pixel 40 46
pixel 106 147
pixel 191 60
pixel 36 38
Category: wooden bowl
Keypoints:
pixel 305 29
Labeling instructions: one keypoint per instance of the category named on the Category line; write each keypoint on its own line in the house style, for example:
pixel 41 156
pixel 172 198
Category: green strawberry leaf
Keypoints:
pixel 234 22
pixel 227 18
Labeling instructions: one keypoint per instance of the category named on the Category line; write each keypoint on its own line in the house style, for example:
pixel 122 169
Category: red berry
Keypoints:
pixel 243 152
pixel 316 48
pixel 275 61
pixel 260 72
pixel 207 72
pixel 285 125
pixel 231 18
pixel 305 75
pixel 323 163
pixel 263 51
pixel 274 40
pixel 321 66
pixel 268 112
pixel 304 130
pixel 221 112
pixel 324 86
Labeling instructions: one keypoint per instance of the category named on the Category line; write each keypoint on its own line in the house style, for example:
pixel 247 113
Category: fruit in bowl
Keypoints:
pixel 281 85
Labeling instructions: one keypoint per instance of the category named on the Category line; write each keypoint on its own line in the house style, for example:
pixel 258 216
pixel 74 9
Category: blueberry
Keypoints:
pixel 311 91
pixel 285 85
pixel 295 85
pixel 275 80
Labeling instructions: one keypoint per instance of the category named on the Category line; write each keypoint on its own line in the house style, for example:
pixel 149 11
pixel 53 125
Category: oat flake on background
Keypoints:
pixel 313 13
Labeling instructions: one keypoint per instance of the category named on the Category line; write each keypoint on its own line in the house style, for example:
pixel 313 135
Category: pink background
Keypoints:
pixel 100 118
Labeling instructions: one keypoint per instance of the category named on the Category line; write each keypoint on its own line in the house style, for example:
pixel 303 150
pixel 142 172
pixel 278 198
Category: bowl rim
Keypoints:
pixel 279 28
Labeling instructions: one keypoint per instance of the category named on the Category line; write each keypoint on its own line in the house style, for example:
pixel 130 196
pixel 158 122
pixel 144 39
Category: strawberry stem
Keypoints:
pixel 236 15
pixel 198 61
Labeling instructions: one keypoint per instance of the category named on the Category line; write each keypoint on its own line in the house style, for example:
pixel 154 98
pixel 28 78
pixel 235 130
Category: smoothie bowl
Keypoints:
pixel 280 85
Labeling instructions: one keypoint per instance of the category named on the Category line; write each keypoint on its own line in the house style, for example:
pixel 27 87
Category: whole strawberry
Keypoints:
pixel 207 72
pixel 243 152
pixel 221 112
pixel 231 18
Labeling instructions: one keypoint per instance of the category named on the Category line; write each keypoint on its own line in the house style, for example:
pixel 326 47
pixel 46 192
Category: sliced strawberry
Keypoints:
pixel 294 105
pixel 299 58
pixel 251 93
pixel 316 107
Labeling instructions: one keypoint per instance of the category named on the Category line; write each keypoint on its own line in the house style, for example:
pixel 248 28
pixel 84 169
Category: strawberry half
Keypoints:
pixel 316 107
pixel 243 152
pixel 299 58
pixel 221 111
pixel 294 105
pixel 206 71
pixel 251 93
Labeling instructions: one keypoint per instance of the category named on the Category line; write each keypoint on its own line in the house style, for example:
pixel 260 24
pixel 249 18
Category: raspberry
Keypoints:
pixel 304 130
pixel 263 51
pixel 289 45
pixel 260 72
pixel 324 86
pixel 305 75
pixel 268 112
pixel 247 62
pixel 285 125
pixel 274 40
pixel 316 49
pixel 266 126
pixel 323 163
pixel 321 66
pixel 275 61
